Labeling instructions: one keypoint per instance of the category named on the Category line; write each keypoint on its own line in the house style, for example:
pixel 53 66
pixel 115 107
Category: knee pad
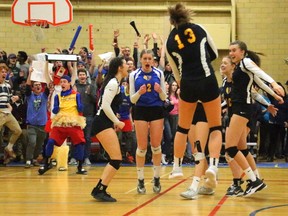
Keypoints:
pixel 182 130
pixel 115 163
pixel 228 158
pixel 156 150
pixel 245 152
pixel 79 152
pixel 141 153
pixel 215 128
pixel 232 151
pixel 49 147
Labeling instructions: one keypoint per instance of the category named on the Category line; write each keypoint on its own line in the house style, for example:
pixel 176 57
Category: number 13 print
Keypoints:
pixel 190 39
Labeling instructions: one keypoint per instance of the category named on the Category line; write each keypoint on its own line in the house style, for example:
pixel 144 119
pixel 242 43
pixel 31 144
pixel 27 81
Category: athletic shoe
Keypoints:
pixel 7 159
pixel 262 186
pixel 10 153
pixel 141 187
pixel 235 183
pixel 253 187
pixel 129 159
pixel 189 194
pixel 163 159
pixel 87 162
pixel 35 163
pixel 157 186
pixel 28 164
pixel 205 191
pixel 44 168
pixel 54 162
pixel 73 162
pixel 62 169
pixel 211 174
pixel 81 172
pixel 234 190
pixel 176 173
pixel 102 196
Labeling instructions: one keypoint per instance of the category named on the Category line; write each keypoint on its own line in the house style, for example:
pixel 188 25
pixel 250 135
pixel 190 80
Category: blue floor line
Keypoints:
pixel 259 164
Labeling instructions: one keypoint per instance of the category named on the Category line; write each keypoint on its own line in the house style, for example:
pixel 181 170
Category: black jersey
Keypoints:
pixel 190 51
pixel 226 93
pixel 245 73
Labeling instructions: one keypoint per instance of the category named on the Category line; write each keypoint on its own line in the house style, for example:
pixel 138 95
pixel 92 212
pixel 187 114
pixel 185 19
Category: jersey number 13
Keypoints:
pixel 191 38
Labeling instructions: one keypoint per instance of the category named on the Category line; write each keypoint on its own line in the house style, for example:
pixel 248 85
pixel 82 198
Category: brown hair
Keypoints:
pixel 4 65
pixel 179 14
pixel 254 56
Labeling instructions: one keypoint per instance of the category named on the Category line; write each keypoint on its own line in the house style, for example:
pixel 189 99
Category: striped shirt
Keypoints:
pixel 5 96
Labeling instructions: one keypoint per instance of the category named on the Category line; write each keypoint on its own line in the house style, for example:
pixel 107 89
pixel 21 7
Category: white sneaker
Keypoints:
pixel 73 162
pixel 205 191
pixel 62 169
pixel 211 174
pixel 163 159
pixel 176 173
pixel 189 194
pixel 87 162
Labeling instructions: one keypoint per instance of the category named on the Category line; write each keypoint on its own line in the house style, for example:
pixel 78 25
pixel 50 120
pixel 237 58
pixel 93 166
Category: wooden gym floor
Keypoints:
pixel 24 192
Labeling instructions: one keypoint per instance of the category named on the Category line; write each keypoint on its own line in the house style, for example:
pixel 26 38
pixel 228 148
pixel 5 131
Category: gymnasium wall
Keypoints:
pixel 261 24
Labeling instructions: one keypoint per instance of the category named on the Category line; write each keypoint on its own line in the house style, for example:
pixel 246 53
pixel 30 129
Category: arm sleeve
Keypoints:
pixel 224 104
pixel 173 66
pixel 248 64
pixel 162 95
pixel 256 96
pixel 117 51
pixel 55 109
pixel 79 103
pixel 135 56
pixel 211 46
pixel 263 86
pixel 109 93
pixel 134 96
pixel 155 49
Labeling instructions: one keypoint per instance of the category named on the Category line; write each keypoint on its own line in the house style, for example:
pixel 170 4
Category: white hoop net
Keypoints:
pixel 37 32
pixel 37 27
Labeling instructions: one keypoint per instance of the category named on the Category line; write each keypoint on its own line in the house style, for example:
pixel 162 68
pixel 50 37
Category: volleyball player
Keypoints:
pixel 104 123
pixel 245 73
pixel 190 51
pixel 147 92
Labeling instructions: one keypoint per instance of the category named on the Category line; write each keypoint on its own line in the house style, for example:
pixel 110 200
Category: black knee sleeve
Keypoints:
pixel 215 128
pixel 232 151
pixel 182 130
pixel 115 163
pixel 245 152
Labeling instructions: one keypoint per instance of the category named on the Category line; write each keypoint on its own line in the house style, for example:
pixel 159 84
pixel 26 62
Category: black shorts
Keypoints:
pixel 204 90
pixel 199 115
pixel 242 109
pixel 100 123
pixel 148 113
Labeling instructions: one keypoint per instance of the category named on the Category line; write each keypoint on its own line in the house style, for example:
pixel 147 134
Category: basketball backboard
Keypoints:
pixel 55 12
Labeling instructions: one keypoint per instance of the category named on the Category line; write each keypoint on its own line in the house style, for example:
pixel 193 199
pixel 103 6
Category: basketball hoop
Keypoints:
pixel 37 26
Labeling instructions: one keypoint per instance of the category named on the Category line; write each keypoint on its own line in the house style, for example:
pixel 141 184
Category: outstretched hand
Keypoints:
pixel 272 109
pixel 279 99
pixel 278 89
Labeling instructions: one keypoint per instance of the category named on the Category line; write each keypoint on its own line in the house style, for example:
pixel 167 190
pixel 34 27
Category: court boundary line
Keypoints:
pixel 154 198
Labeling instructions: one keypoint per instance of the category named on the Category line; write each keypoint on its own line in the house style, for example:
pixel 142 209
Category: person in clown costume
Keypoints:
pixel 67 122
